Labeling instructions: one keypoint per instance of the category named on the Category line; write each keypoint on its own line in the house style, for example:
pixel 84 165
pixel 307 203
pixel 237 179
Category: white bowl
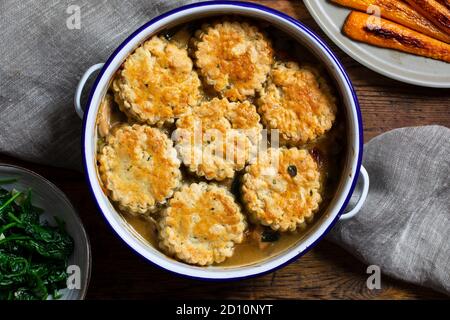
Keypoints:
pixel 305 37
pixel 47 196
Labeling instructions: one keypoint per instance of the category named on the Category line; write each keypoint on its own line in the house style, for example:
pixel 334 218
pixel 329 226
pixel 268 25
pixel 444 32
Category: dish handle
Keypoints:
pixel 79 90
pixel 362 198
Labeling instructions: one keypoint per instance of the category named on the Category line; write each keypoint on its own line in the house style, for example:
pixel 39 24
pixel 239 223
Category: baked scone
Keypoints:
pixel 157 83
pixel 218 137
pixel 139 168
pixel 282 188
pixel 233 57
pixel 298 102
pixel 201 224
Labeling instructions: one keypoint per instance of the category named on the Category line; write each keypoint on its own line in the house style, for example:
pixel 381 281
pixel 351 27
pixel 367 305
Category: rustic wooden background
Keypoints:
pixel 326 272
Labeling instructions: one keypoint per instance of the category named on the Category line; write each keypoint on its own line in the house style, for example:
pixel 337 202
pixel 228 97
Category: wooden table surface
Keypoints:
pixel 326 272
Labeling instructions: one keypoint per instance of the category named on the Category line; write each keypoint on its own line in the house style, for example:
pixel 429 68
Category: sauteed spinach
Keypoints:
pixel 33 255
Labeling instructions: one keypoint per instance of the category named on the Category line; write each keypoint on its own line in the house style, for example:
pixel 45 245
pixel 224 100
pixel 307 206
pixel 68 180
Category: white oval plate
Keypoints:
pixel 391 63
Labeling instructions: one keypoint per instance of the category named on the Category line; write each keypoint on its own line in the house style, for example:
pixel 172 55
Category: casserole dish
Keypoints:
pixel 351 113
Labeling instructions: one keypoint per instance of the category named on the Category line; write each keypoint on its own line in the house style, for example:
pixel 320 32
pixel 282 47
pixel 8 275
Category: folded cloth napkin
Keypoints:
pixel 42 57
pixel 404 225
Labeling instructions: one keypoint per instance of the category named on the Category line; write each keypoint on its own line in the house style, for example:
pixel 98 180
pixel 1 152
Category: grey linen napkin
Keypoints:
pixel 404 225
pixel 41 61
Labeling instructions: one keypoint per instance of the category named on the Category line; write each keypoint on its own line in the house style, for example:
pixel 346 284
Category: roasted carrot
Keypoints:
pixel 445 3
pixel 399 12
pixel 434 11
pixel 361 27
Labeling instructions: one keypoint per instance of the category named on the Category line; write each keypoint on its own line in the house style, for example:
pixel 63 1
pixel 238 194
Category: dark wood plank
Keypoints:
pixel 326 272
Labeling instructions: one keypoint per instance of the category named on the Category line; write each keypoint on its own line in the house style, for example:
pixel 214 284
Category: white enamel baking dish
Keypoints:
pixel 305 37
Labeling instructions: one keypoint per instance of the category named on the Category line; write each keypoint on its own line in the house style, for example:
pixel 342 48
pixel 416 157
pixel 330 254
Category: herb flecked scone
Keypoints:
pixel 157 83
pixel 282 189
pixel 233 57
pixel 298 102
pixel 201 224
pixel 218 137
pixel 139 168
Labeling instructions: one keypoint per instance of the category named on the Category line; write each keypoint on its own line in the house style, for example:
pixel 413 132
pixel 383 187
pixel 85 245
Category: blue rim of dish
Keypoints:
pixel 303 28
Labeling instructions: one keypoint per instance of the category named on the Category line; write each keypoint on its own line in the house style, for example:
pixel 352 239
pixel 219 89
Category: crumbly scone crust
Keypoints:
pixel 203 136
pixel 139 168
pixel 282 188
pixel 298 102
pixel 233 57
pixel 157 83
pixel 201 224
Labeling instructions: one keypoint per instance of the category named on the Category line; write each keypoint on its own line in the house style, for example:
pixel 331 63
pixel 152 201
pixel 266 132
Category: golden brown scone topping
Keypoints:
pixel 234 58
pixel 297 102
pixel 201 224
pixel 218 138
pixel 139 168
pixel 282 188
pixel 157 83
